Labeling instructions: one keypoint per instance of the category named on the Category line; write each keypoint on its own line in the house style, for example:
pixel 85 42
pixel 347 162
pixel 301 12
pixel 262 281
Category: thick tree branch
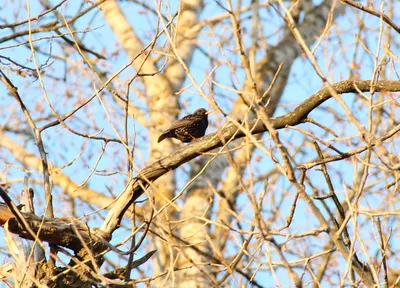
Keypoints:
pixel 57 231
pixel 63 231
pixel 154 171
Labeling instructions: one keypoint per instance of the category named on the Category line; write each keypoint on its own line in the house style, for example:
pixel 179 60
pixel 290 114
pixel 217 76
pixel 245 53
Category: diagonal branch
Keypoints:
pixel 154 171
pixel 67 227
pixel 372 11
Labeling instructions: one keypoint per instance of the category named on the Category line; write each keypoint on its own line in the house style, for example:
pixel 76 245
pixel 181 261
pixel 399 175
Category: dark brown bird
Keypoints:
pixel 188 128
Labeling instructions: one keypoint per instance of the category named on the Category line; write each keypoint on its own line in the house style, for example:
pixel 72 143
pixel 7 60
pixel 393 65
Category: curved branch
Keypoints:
pixel 63 231
pixel 154 171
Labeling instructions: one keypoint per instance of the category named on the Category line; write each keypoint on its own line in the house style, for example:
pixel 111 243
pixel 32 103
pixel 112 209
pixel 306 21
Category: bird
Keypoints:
pixel 188 128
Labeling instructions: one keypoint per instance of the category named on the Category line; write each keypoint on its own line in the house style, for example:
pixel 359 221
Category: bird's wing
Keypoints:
pixel 182 122
pixel 177 124
pixel 187 120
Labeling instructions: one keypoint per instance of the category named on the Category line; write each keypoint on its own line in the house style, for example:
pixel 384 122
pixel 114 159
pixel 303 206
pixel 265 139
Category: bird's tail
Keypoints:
pixel 162 137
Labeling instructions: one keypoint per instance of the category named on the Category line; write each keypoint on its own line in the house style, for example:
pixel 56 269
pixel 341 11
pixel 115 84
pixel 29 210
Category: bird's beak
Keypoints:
pixel 209 112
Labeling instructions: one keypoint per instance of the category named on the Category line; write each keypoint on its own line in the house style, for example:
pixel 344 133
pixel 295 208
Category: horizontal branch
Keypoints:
pixel 207 143
pixel 57 231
